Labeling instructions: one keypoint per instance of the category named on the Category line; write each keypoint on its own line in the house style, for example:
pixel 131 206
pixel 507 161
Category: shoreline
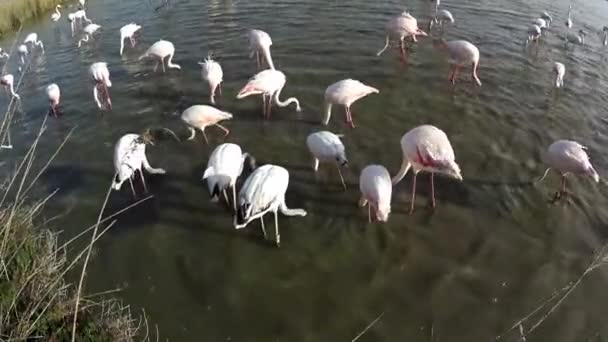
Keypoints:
pixel 14 13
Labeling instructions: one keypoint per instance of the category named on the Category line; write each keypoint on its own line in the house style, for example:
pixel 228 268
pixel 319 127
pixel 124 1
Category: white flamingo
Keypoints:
pixel 129 157
pixel 327 147
pixel 540 22
pixel 263 192
pixel 569 20
pixel 269 84
pixel 547 17
pixel 427 148
pixel 576 39
pixel 202 116
pixel 401 27
pixel 345 93
pixel 225 165
pixel 534 33
pixel 211 71
pixel 376 191
pixel 259 45
pixel 23 51
pixel 101 75
pixel 3 54
pixel 77 18
pixel 128 31
pixel 568 157
pixel 32 38
pixel 560 70
pixel 88 33
pixel 55 16
pixel 461 53
pixel 82 2
pixel 441 18
pixel 53 94
pixel 7 82
pixel 160 50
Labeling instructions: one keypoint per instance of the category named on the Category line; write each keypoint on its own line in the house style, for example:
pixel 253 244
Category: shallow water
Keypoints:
pixel 490 253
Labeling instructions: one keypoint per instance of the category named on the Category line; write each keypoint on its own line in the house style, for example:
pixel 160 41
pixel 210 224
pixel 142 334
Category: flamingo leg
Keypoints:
pixel 219 89
pixel 163 64
pixel 107 96
pixel 226 130
pixel 143 181
pixel 403 51
pixel 369 213
pixel 234 197
pixel 350 118
pixel 264 110
pixel 413 194
pixel 455 74
pixel 263 228
pixel 226 197
pixel 205 135
pixel 276 229
pixel 132 188
pixel 341 178
pixel 269 108
pixel 132 41
pixel 432 190
pixel 156 66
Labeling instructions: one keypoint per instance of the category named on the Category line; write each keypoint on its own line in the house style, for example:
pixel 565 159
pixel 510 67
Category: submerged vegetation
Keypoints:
pixel 13 13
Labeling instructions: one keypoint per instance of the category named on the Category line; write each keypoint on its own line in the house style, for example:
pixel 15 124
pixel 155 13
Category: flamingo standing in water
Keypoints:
pixel 202 116
pixel 101 75
pixel 345 93
pixel 547 18
pixel 88 33
pixel 224 167
pixel 263 192
pixel 54 95
pixel 427 148
pixel 461 53
pixel 441 18
pixel 7 81
pixel 401 27
pixel 269 84
pixel 212 73
pixel 577 39
pixel 160 50
pixel 604 33
pixel 326 146
pixel 568 157
pixel 55 16
pixel 569 20
pixel 32 38
pixel 540 22
pixel 560 71
pixel 259 45
pixel 128 31
pixel 22 49
pixel 3 54
pixel 129 157
pixel 376 191
pixel 534 33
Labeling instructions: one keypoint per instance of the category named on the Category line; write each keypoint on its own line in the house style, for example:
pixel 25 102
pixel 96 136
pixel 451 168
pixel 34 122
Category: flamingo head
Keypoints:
pixel 243 214
pixel 448 168
pixel 382 212
pixel 341 159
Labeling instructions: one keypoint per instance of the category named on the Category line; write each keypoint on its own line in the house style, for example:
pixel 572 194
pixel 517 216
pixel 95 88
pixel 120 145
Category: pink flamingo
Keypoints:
pixel 101 75
pixel 7 81
pixel 53 93
pixel 401 27
pixel 269 84
pixel 202 116
pixel 259 44
pixel 427 148
pixel 212 73
pixel 461 53
pixel 376 190
pixel 345 93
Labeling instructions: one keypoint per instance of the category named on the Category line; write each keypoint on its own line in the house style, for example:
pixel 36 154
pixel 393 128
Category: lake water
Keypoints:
pixel 493 249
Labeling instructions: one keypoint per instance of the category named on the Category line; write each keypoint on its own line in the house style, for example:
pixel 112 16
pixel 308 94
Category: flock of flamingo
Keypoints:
pixel 424 148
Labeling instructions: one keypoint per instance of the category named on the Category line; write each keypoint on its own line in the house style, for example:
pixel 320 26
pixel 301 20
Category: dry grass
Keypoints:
pixel 13 13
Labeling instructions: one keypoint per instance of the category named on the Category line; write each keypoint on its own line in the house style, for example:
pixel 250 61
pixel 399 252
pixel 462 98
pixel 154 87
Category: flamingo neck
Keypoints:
pixel 268 57
pixel 327 112
pixel 286 102
pixel 122 44
pixel 170 62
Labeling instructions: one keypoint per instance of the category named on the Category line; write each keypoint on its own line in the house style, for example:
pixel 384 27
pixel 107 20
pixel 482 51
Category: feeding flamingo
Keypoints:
pixel 128 31
pixel 345 93
pixel 547 17
pixel 461 53
pixel 376 191
pixel 22 49
pixel 101 75
pixel 327 147
pixel 225 165
pixel 604 33
pixel 540 22
pixel 202 116
pixel 263 192
pixel 442 17
pixel 88 33
pixel 212 73
pixel 269 84
pixel 560 71
pixel 55 16
pixel 568 157
pixel 577 39
pixel 569 20
pixel 427 148
pixel 7 81
pixel 160 50
pixel 129 157
pixel 259 45
pixel 32 38
pixel 534 33
pixel 53 94
pixel 401 27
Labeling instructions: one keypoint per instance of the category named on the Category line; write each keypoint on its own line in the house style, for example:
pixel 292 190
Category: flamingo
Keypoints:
pixel 547 17
pixel 212 73
pixel 568 157
pixel 161 50
pixel 569 20
pixel 427 148
pixel 55 16
pixel 269 84
pixel 326 146
pixel 81 15
pixel 577 39
pixel 32 38
pixel 540 22
pixel 223 168
pixel 22 49
pixel 3 54
pixel 259 45
pixel 201 116
pixel 560 71
pixel 402 26
pixel 128 31
pixel 534 33
pixel 130 156
pixel 82 2
pixel 461 53
pixel 376 190
pixel 604 32
pixel 88 32
pixel 7 81
pixel 263 192
pixel 345 93
pixel 442 17
pixel 53 94
pixel 101 75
